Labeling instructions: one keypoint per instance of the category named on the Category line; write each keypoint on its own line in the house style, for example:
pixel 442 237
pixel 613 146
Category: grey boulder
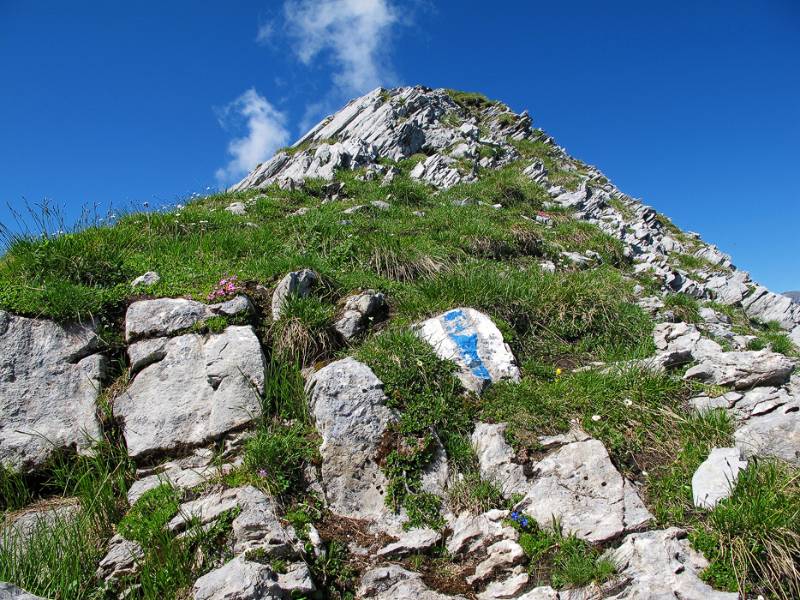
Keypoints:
pixel 349 408
pixel 470 339
pixel 149 278
pixel 50 378
pixel 359 311
pixel 193 390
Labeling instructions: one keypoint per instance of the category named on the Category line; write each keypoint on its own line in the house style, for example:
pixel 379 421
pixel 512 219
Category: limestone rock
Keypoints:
pixel 743 370
pixel 496 458
pixel 349 408
pixel 238 579
pixel 773 434
pixel 505 588
pixel 359 311
pixel 471 340
pixel 393 582
pixel 50 378
pixel 662 565
pixel 298 283
pixel 120 560
pixel 202 388
pixel 501 555
pixel 716 477
pixel 167 316
pixel 580 486
pixel 682 342
pixel 236 208
pixel 767 306
pixel 439 170
pixel 472 534
pixel 415 540
pixel 9 591
pixel 149 278
pixel 576 483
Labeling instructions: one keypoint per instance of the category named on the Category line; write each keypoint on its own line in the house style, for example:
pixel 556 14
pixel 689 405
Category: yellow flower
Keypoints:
pixel 558 372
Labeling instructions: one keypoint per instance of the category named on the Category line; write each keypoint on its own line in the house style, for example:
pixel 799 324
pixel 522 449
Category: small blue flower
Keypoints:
pixel 514 516
pixel 524 522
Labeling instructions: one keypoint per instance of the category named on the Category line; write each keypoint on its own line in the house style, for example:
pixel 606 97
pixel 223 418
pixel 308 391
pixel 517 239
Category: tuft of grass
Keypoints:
pixel 635 409
pixel 772 336
pixel 277 454
pixel 562 561
pixel 470 100
pixel 59 558
pixel 685 308
pixel 147 518
pixel 752 539
pixel 669 485
pixel 304 332
pixel 14 491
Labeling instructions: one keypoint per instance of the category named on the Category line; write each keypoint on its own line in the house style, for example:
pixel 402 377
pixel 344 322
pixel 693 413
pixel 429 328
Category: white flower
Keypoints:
pixel 596 418
pixel 627 402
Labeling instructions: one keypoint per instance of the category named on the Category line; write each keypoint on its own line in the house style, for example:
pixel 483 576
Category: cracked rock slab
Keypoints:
pixel 238 579
pixel 182 473
pixel 661 565
pixel 743 370
pixel 471 340
pixel 200 388
pixel 167 316
pixel 775 434
pixel 575 483
pixel 50 378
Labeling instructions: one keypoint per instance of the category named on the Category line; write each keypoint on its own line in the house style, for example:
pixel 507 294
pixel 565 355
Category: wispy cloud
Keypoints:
pixel 265 32
pixel 354 32
pixel 266 132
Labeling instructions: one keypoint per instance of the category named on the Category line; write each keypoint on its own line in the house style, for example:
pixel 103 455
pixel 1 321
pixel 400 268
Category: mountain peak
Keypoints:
pixel 454 137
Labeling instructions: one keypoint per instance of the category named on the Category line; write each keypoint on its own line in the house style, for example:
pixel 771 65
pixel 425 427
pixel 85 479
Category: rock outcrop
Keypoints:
pixel 50 378
pixel 189 389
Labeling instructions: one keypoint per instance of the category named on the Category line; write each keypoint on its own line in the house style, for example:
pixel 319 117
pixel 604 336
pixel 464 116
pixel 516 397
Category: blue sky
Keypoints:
pixel 692 106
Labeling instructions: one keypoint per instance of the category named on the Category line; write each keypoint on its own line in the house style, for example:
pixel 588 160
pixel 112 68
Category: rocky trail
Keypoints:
pixel 310 435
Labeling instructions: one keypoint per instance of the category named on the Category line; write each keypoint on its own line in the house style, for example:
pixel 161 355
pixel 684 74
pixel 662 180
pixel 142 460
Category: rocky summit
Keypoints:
pixel 423 353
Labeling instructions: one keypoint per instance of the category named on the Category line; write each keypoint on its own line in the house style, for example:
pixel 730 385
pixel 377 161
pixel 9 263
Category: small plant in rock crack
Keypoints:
pixel 226 287
pixel 521 521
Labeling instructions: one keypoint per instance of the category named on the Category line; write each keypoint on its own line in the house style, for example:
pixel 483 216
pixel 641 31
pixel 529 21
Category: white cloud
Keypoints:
pixel 266 132
pixel 265 32
pixel 356 32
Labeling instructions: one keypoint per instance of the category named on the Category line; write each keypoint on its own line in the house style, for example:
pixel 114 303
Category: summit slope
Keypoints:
pixel 421 353
pixel 460 134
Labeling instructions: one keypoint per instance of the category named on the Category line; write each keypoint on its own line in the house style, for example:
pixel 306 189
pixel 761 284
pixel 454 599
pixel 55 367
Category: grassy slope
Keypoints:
pixel 452 255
